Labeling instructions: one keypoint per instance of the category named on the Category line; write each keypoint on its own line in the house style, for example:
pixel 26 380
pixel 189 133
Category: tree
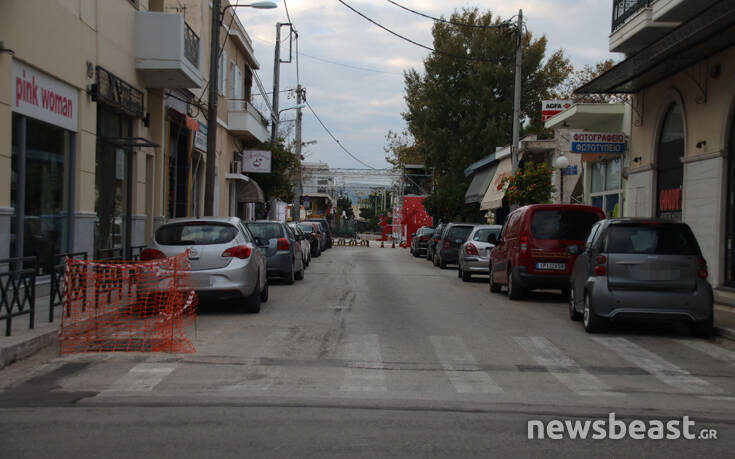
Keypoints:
pixel 530 185
pixel 344 204
pixel 461 107
pixel 401 150
pixel 278 183
pixel 579 78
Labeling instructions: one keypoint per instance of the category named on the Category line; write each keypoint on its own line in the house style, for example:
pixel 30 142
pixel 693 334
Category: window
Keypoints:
pixel 483 234
pixel 651 239
pixel 266 230
pixel 605 186
pixel 563 225
pixel 670 173
pixel 222 75
pixel 195 234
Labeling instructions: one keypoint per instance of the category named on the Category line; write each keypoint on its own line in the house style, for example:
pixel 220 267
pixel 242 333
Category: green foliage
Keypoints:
pixel 344 204
pixel 279 182
pixel 459 110
pixel 529 185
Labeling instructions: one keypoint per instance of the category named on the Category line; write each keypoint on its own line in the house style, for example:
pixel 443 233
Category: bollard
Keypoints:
pixel 382 244
pixel 394 245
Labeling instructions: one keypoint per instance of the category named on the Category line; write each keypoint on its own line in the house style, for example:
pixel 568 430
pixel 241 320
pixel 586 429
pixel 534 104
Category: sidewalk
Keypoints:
pixel 24 341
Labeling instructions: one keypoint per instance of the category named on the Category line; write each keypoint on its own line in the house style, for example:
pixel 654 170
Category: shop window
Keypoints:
pixel 605 186
pixel 670 168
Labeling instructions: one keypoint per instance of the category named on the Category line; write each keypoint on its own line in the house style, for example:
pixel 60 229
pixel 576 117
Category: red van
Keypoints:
pixel 532 250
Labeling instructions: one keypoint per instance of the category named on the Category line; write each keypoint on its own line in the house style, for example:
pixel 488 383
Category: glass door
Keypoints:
pixel 730 230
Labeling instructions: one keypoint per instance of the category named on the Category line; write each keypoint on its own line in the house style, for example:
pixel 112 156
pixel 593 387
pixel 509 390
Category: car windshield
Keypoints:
pixel 426 231
pixel 658 239
pixel 306 227
pixel 481 235
pixel 566 225
pixel 459 232
pixel 195 233
pixel 266 230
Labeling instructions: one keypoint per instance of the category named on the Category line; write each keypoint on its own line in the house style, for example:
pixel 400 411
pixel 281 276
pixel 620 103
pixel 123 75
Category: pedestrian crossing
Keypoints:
pixel 454 365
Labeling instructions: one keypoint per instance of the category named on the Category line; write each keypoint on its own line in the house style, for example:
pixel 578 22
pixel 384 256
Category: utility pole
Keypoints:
pixel 517 95
pixel 212 112
pixel 297 196
pixel 276 82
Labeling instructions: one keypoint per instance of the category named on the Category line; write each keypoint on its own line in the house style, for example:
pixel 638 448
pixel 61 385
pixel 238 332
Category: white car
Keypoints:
pixel 303 240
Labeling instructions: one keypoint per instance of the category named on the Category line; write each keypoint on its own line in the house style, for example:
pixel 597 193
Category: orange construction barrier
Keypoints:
pixel 127 306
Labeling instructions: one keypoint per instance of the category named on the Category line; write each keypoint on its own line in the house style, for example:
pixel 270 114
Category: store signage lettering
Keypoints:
pixel 669 200
pixel 598 142
pixel 200 137
pixel 43 97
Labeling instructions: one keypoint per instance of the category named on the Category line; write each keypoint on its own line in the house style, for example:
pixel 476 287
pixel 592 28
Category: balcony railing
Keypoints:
pixel 242 105
pixel 624 9
pixel 191 45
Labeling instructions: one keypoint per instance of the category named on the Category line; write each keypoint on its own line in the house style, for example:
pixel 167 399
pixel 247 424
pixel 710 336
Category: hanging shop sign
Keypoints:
pixel 118 94
pixel 255 161
pixel 43 97
pixel 598 142
pixel 200 138
pixel 570 170
pixel 550 108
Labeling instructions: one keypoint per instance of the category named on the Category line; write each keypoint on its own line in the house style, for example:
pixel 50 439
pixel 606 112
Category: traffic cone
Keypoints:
pixel 394 245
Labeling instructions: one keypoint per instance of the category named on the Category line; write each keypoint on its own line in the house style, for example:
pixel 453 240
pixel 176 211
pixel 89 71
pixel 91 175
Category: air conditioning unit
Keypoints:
pixel 235 167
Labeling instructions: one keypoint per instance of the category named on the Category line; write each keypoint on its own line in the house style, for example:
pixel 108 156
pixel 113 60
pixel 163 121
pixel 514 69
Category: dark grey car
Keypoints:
pixel 446 250
pixel 640 269
pixel 283 254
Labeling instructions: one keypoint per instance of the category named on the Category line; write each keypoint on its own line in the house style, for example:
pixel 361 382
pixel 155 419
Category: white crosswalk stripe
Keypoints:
pixel 461 367
pixel 365 358
pixel 261 380
pixel 564 368
pixel 660 368
pixel 143 377
pixel 714 351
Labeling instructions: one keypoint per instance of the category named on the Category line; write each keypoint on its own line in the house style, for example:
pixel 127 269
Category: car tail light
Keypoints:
pixel 702 271
pixel 151 254
pixel 239 251
pixel 282 244
pixel 524 244
pixel 447 244
pixel 470 249
pixel 600 269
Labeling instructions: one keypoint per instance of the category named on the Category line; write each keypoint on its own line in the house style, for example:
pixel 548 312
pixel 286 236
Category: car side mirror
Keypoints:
pixel 413 234
pixel 492 239
pixel 573 249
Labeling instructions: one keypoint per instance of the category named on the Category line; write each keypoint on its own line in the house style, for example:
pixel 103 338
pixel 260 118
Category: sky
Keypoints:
pixel 362 98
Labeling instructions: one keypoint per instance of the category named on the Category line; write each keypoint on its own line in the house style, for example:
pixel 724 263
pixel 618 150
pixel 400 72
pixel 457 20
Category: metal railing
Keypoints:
pixel 625 9
pixel 18 290
pixel 58 289
pixel 242 105
pixel 191 45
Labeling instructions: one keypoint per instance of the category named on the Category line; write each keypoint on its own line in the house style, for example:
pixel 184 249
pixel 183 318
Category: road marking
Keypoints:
pixel 363 351
pixel 564 368
pixel 461 367
pixel 143 377
pixel 662 369
pixel 716 352
pixel 261 380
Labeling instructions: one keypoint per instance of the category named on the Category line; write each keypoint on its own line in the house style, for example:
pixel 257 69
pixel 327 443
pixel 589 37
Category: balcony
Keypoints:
pixel 167 51
pixel 244 120
pixel 634 27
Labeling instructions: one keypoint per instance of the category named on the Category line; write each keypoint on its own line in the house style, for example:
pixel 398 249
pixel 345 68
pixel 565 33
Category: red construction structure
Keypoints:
pixel 413 216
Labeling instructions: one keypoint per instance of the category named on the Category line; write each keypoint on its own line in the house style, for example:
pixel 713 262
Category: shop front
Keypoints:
pixel 44 126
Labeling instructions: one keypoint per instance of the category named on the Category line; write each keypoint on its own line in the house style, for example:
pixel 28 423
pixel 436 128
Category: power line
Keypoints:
pixel 461 24
pixel 335 139
pixel 349 66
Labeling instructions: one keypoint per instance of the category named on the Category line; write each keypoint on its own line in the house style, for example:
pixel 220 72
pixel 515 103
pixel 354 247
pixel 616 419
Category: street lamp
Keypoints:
pixel 217 21
pixel 562 162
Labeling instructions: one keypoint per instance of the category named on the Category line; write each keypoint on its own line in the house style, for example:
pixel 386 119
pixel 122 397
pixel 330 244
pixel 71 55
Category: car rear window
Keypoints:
pixel 266 230
pixel 482 234
pixel 569 225
pixel 195 233
pixel 306 227
pixel 459 232
pixel 659 239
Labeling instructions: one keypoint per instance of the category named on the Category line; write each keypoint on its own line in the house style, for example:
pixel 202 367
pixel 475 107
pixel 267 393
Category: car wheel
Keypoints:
pixel 442 263
pixel 703 329
pixel 264 292
pixel 435 260
pixel 515 291
pixel 466 276
pixel 290 277
pixel 494 288
pixel 300 274
pixel 415 253
pixel 252 303
pixel 573 313
pixel 592 322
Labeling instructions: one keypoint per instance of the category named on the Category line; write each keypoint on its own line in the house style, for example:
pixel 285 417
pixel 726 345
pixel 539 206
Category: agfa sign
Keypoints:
pixel 550 108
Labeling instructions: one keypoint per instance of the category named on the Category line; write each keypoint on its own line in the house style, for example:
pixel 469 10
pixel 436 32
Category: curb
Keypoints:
pixel 724 333
pixel 24 349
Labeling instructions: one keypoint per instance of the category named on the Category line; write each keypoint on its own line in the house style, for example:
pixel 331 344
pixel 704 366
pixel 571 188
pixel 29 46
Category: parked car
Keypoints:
pixel 531 253
pixel 225 260
pixel 320 236
pixel 283 253
pixel 474 254
pixel 315 238
pixel 324 226
pixel 431 243
pixel 420 240
pixel 447 247
pixel 640 268
pixel 302 240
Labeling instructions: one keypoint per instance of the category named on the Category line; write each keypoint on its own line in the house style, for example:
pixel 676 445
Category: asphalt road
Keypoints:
pixel 374 354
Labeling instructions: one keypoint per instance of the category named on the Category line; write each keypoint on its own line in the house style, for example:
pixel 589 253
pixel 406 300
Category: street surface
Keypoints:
pixel 374 354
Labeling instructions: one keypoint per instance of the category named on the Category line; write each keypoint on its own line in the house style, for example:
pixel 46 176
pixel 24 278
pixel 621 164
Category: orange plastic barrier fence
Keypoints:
pixel 127 306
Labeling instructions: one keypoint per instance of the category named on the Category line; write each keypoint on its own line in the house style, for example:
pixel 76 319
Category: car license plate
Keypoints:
pixel 551 266
pixel 199 283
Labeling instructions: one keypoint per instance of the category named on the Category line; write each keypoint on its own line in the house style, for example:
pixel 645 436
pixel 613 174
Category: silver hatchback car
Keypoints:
pixel 474 255
pixel 225 260
pixel 640 269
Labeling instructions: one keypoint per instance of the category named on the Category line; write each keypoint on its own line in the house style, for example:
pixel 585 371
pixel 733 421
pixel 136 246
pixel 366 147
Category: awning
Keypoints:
pixel 704 35
pixel 493 197
pixel 249 191
pixel 480 182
